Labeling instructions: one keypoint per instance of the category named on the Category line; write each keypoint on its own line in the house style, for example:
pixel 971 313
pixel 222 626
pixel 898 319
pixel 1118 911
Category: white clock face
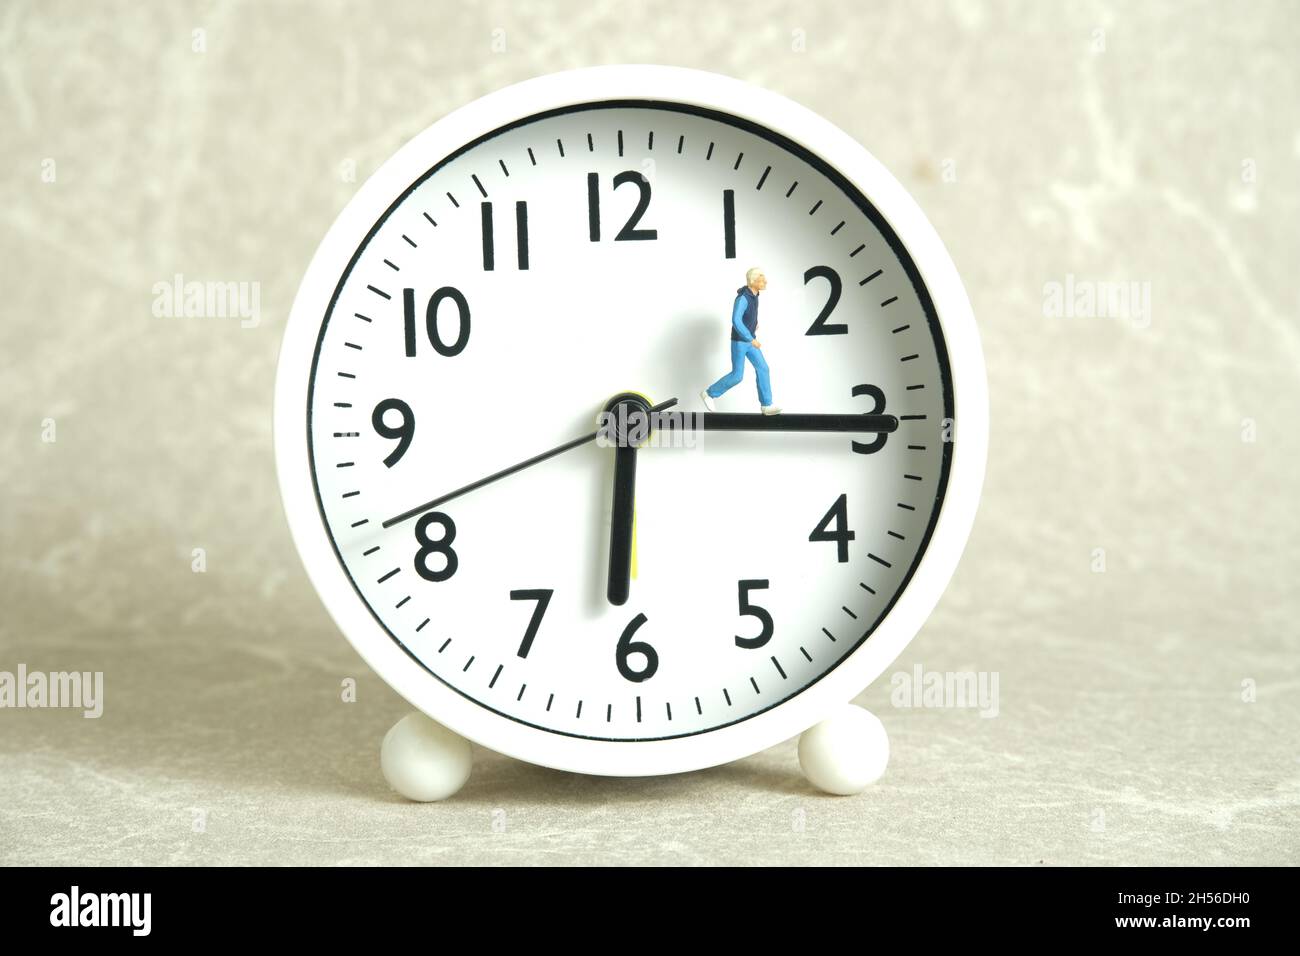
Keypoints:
pixel 591 251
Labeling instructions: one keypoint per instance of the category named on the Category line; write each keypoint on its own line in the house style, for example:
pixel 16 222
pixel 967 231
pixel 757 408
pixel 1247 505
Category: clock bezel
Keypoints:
pixel 705 91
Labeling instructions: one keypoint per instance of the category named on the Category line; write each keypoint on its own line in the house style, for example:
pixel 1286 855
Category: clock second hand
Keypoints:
pixel 507 472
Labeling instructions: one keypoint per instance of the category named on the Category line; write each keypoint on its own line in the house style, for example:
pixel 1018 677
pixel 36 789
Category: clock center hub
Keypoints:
pixel 625 421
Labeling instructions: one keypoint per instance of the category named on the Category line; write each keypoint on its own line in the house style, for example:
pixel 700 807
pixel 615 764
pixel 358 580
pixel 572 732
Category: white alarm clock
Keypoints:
pixel 701 257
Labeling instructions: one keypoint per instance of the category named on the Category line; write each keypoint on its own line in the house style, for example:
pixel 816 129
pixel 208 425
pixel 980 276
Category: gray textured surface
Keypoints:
pixel 1122 735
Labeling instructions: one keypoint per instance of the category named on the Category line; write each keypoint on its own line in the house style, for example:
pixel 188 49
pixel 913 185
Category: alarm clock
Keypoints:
pixel 630 420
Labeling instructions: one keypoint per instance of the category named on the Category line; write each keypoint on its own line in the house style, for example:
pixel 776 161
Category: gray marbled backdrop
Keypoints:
pixel 1148 712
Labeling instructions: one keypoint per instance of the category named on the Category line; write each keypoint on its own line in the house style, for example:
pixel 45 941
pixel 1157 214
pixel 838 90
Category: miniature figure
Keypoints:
pixel 745 345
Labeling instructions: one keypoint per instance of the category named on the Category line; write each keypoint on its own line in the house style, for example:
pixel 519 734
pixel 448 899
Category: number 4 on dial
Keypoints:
pixel 841 535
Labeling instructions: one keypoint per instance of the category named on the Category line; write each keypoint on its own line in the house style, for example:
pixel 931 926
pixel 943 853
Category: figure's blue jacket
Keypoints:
pixel 744 316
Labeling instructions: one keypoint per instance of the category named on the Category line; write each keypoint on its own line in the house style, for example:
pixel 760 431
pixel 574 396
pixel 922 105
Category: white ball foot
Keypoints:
pixel 846 752
pixel 423 760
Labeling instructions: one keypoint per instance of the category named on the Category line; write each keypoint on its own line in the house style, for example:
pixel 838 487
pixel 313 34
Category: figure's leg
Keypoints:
pixel 764 377
pixel 732 378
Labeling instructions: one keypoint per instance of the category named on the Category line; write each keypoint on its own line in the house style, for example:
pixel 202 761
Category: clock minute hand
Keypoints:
pixel 621 522
pixel 629 408
pixel 507 472
pixel 731 422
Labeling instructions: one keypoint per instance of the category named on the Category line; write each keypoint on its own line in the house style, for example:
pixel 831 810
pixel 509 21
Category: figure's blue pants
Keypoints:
pixel 739 352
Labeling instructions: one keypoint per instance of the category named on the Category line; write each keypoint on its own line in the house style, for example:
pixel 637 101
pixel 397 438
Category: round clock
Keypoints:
pixel 630 420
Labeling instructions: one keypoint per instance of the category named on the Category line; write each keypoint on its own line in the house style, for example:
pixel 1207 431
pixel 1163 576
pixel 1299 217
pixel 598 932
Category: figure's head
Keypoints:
pixel 755 279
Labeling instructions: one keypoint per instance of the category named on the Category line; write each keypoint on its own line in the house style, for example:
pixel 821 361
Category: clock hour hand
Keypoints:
pixel 506 472
pixel 730 422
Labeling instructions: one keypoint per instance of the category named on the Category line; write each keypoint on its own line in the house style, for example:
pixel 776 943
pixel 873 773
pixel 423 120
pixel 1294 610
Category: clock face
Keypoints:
pixel 484 298
pixel 504 298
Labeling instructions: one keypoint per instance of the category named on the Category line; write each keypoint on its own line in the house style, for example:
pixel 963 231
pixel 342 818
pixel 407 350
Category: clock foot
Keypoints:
pixel 423 760
pixel 846 752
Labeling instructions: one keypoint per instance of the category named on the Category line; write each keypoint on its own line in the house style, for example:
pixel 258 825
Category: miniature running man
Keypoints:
pixel 745 345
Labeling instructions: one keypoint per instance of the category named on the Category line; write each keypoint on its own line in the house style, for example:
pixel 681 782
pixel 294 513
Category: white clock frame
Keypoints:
pixel 836 687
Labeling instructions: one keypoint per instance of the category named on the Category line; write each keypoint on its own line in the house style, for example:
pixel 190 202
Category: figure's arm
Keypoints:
pixel 738 319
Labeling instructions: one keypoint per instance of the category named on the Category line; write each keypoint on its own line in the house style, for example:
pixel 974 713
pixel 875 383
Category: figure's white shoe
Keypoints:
pixel 707 399
pixel 771 410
